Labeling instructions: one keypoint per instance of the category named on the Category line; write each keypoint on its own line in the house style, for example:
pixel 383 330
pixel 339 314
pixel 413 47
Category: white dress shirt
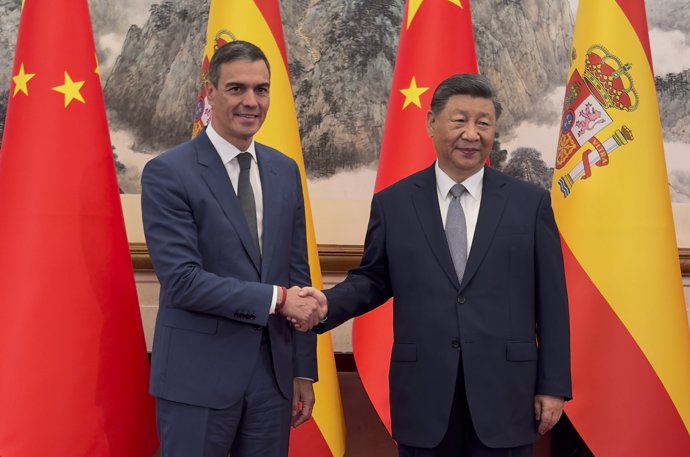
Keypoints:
pixel 470 200
pixel 228 154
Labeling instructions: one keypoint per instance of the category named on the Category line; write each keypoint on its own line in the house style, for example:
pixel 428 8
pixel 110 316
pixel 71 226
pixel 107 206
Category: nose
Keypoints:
pixel 470 133
pixel 249 98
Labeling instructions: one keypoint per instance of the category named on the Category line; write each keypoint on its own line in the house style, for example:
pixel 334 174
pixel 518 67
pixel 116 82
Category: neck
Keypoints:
pixel 240 143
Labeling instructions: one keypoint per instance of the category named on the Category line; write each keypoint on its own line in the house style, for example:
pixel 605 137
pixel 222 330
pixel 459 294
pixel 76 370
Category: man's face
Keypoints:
pixel 240 101
pixel 463 134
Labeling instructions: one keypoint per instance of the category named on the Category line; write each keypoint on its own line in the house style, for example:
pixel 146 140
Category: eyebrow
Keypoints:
pixel 243 85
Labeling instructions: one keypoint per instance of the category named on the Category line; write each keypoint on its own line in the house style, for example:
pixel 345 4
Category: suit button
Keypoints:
pixel 455 344
pixel 461 299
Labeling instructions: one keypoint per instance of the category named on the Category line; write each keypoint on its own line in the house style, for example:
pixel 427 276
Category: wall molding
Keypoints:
pixel 338 258
pixel 684 256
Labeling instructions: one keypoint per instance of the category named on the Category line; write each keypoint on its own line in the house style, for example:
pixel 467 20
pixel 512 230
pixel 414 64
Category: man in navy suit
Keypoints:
pixel 480 362
pixel 225 227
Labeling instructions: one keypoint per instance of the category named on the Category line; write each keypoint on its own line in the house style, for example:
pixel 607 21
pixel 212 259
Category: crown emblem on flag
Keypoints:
pixel 202 109
pixel 609 79
pixel 591 101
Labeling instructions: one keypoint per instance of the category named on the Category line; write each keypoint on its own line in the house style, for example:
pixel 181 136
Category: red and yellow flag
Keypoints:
pixel 259 22
pixel 73 365
pixel 630 338
pixel 426 56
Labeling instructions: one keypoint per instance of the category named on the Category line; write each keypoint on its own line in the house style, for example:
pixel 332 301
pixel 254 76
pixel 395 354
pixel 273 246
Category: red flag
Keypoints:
pixel 74 371
pixel 630 339
pixel 426 56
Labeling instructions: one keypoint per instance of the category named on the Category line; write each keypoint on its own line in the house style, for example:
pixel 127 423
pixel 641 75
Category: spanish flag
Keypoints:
pixel 259 22
pixel 73 365
pixel 630 338
pixel 436 41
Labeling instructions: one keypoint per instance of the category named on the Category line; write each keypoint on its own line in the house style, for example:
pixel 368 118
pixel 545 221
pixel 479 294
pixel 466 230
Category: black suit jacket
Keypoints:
pixel 509 317
pixel 215 292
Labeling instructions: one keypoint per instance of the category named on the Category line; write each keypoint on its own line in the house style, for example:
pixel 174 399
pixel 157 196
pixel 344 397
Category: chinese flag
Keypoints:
pixel 630 340
pixel 259 22
pixel 436 41
pixel 73 364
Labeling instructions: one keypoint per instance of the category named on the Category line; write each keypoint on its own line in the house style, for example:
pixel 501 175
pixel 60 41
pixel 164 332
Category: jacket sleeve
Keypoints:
pixel 553 328
pixel 305 362
pixel 367 286
pixel 172 240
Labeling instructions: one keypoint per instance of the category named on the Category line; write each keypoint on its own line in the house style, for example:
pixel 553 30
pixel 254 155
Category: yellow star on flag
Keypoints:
pixel 413 93
pixel 98 67
pixel 20 80
pixel 414 5
pixel 70 89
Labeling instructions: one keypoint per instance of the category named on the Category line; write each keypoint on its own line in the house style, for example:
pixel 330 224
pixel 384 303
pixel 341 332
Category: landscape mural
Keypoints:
pixel 341 57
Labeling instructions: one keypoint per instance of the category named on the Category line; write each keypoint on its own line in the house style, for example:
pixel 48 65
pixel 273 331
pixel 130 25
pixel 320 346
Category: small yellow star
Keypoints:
pixel 70 89
pixel 98 67
pixel 20 80
pixel 413 93
pixel 413 7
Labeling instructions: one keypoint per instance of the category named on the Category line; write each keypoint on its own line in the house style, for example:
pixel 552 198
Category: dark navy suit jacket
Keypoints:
pixel 215 292
pixel 509 317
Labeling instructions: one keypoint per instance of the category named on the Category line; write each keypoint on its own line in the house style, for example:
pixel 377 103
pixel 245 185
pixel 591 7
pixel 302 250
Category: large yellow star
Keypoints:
pixel 70 89
pixel 413 7
pixel 413 93
pixel 20 80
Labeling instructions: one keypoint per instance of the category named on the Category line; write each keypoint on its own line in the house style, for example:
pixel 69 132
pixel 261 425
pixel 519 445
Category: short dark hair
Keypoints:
pixel 464 84
pixel 232 51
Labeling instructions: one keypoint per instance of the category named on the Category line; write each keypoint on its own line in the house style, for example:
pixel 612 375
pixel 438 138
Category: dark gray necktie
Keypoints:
pixel 456 231
pixel 246 196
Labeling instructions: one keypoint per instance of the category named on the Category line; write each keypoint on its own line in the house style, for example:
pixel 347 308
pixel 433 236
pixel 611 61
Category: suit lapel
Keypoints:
pixel 273 199
pixel 425 202
pixel 493 202
pixel 216 177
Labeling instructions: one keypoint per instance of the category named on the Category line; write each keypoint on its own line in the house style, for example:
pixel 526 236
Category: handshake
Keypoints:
pixel 304 307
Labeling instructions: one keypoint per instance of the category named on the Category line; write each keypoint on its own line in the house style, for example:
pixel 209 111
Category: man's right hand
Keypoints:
pixel 303 311
pixel 319 296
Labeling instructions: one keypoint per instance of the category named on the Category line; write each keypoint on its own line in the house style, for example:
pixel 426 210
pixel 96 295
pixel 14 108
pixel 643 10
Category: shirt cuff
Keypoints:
pixel 306 379
pixel 274 300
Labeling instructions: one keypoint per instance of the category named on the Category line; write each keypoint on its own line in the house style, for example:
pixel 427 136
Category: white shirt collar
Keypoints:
pixel 226 150
pixel 473 184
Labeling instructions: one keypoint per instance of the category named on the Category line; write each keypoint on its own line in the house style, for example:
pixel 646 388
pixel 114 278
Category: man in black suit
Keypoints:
pixel 225 226
pixel 480 361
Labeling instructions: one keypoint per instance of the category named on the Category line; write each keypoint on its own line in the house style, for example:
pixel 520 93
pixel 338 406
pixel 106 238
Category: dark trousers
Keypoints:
pixel 256 426
pixel 460 439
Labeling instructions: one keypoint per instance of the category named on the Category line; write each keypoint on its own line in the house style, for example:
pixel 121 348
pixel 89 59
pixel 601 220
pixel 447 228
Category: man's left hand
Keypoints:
pixel 547 411
pixel 302 400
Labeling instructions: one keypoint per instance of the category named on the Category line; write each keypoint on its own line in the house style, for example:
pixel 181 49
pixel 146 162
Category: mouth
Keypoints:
pixel 468 151
pixel 247 116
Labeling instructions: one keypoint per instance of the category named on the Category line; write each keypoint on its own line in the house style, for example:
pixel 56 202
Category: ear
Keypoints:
pixel 210 92
pixel 430 122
